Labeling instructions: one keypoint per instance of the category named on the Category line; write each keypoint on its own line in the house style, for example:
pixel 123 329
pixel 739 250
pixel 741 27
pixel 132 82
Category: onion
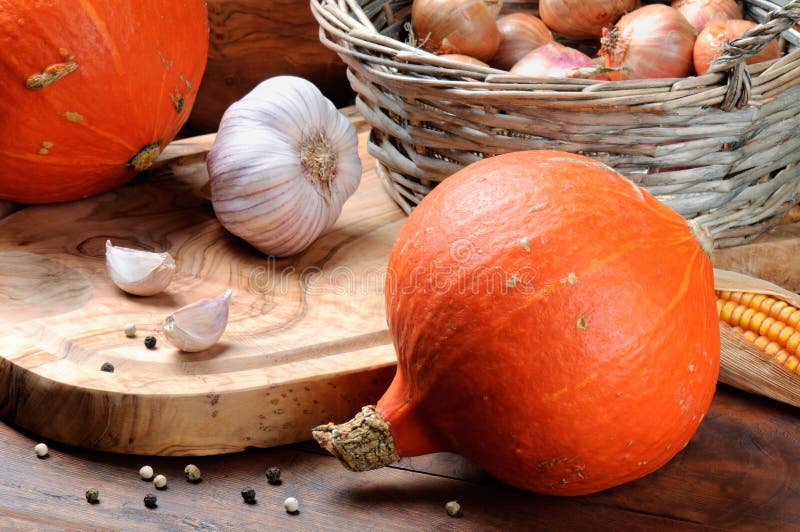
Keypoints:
pixel 583 19
pixel 554 60
pixel 701 13
pixel 457 26
pixel 464 59
pixel 519 34
pixel 710 41
pixel 654 41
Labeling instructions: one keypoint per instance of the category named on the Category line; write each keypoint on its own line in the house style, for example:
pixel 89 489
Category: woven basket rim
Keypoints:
pixel 416 65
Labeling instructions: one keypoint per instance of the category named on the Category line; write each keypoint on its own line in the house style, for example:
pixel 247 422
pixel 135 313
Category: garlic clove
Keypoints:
pixel 137 272
pixel 199 325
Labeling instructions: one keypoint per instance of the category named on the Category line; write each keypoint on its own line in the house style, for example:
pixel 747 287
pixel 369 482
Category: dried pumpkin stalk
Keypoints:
pixel 760 336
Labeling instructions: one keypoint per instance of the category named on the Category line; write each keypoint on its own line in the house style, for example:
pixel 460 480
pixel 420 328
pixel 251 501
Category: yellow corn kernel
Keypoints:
pixel 793 343
pixel 793 319
pixel 772 349
pixel 784 314
pixel 727 310
pixel 757 300
pixel 766 304
pixel 746 299
pixel 781 356
pixel 747 315
pixel 756 321
pixel 765 325
pixel 785 333
pixel 776 329
pixel 792 363
pixel 725 294
pixel 776 308
pixel 761 342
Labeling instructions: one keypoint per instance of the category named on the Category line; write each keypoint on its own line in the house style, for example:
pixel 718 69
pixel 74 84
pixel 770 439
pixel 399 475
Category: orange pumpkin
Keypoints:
pixel 93 90
pixel 553 322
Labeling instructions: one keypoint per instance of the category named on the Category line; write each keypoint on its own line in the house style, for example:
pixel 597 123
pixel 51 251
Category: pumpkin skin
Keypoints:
pixel 589 354
pixel 88 85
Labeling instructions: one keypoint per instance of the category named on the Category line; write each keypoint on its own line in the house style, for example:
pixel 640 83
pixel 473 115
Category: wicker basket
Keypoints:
pixel 720 148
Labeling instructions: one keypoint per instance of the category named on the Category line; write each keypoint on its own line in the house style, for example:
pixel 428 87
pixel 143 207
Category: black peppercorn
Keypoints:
pixel 150 500
pixel 274 475
pixel 249 495
pixel 107 366
pixel 150 342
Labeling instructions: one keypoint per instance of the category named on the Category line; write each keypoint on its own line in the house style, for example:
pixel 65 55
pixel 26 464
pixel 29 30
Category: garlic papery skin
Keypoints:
pixel 137 272
pixel 199 325
pixel 282 165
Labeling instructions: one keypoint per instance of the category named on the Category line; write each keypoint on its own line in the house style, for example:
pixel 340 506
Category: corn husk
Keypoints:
pixel 742 364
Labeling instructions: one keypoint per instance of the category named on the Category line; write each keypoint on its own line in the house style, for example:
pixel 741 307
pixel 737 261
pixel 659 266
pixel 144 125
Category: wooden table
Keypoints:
pixel 739 471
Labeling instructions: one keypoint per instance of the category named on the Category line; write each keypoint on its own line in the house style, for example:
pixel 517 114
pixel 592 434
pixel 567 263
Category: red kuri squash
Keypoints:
pixel 553 322
pixel 93 90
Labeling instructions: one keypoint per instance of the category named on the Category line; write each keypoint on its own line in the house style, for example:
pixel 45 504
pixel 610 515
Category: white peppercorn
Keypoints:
pixel 146 472
pixel 160 482
pixel 291 505
pixel 130 330
pixel 41 450
pixel 453 509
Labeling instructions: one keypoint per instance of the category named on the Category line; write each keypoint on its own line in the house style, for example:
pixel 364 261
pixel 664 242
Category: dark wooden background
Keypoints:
pixel 741 471
pixel 252 40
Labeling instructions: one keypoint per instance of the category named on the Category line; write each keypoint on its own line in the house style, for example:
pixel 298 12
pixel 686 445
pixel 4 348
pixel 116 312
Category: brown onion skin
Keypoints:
pixel 519 34
pixel 552 60
pixel 710 43
pixel 583 19
pixel 701 13
pixel 655 41
pixel 464 59
pixel 467 27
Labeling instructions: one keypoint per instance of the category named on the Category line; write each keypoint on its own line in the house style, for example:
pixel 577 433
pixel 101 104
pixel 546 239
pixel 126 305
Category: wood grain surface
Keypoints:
pixel 251 40
pixel 741 471
pixel 306 341
pixel 773 256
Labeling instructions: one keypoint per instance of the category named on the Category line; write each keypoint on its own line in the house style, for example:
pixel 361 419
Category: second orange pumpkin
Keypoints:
pixel 93 90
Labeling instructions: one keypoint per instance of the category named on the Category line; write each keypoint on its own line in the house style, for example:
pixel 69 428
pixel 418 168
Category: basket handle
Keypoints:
pixel 738 50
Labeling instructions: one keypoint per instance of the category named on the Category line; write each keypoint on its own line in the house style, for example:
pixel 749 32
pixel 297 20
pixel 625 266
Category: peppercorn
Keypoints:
pixel 150 500
pixel 249 495
pixel 41 450
pixel 107 366
pixel 274 475
pixel 291 505
pixel 150 342
pixel 192 473
pixel 130 330
pixel 92 496
pixel 146 472
pixel 453 509
pixel 160 482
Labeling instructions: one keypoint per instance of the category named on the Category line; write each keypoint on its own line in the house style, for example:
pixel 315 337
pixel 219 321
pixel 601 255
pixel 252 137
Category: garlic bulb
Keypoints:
pixel 284 162
pixel 141 273
pixel 199 325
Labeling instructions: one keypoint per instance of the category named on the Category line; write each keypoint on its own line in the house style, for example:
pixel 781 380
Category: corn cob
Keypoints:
pixel 770 323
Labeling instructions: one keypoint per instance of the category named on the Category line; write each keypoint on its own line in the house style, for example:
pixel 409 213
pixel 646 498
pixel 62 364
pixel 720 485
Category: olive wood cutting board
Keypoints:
pixel 306 343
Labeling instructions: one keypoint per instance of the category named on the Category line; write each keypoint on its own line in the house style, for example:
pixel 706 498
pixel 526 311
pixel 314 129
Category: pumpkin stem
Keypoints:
pixel 145 157
pixel 361 444
pixel 703 236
